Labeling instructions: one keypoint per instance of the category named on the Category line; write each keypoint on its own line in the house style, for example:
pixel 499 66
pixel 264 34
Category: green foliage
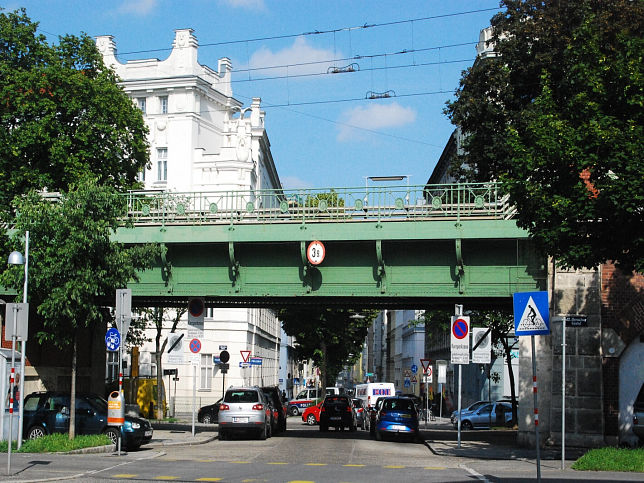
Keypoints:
pixel 611 459
pixel 329 337
pixel 331 198
pixel 557 117
pixel 57 442
pixel 62 115
pixel 74 267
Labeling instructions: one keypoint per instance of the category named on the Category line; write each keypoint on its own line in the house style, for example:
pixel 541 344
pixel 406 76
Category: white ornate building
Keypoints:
pixel 203 139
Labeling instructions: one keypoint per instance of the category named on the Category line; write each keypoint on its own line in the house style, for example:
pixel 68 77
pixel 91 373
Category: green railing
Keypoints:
pixel 372 203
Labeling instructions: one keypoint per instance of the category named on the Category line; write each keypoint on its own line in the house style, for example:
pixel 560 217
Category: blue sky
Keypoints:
pixel 323 131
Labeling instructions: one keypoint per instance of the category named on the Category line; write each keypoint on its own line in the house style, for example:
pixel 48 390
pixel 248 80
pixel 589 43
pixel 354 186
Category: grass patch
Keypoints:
pixel 57 442
pixel 611 459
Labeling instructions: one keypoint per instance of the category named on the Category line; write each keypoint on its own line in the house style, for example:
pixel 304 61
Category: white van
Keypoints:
pixel 371 391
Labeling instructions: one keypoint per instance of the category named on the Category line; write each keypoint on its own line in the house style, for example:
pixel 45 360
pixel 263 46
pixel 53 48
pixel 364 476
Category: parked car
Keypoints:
pixel 361 413
pixel 209 414
pixel 638 415
pixel 244 410
pixel 491 414
pixel 273 394
pixel 305 398
pixel 397 416
pixel 311 415
pixel 454 417
pixel 48 413
pixel 337 411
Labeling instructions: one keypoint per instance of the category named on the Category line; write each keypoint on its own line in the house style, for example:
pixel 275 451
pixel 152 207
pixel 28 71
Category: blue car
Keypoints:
pixel 397 416
pixel 488 415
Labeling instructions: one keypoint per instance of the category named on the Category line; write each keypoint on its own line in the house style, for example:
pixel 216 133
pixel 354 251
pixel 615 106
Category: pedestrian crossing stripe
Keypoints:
pixel 531 315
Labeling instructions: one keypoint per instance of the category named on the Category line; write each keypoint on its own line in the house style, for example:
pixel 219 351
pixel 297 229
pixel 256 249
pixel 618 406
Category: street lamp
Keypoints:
pixel 16 258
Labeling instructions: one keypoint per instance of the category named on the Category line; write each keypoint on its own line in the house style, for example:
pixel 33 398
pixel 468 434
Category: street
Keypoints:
pixel 302 454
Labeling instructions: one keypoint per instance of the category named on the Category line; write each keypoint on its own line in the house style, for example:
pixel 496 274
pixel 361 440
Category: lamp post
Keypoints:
pixel 15 258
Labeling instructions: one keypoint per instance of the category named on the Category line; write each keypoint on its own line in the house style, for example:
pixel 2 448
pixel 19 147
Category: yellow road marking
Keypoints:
pixel 124 475
pixel 395 467
pixel 435 468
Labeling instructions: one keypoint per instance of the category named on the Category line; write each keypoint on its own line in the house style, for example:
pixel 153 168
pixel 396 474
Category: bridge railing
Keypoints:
pixel 447 201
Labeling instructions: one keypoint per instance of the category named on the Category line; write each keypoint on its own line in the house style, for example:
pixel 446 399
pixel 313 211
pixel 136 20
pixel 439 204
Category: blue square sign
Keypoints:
pixel 531 314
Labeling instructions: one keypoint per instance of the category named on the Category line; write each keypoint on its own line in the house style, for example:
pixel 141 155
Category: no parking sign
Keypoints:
pixel 460 339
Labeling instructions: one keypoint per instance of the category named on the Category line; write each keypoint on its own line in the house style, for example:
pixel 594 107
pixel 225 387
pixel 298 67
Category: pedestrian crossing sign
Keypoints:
pixel 531 314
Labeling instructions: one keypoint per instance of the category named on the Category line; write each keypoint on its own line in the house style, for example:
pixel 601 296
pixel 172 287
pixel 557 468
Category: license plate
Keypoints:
pixel 148 432
pixel 240 420
pixel 335 418
pixel 399 427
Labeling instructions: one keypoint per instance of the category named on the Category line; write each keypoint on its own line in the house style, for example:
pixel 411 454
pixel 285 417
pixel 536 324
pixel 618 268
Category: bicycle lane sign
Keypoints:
pixel 531 314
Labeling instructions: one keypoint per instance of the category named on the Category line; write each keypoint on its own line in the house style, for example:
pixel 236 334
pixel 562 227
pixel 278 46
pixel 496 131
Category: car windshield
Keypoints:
pixel 398 405
pixel 241 396
pixel 98 402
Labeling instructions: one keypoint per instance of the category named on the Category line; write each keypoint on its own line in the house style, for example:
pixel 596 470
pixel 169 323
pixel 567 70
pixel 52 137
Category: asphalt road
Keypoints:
pixel 302 454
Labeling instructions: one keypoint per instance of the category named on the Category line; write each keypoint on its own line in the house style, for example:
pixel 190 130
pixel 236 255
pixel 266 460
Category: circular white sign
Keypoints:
pixel 315 252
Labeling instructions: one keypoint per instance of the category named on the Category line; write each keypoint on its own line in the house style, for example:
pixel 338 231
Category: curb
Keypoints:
pixel 165 442
pixel 93 449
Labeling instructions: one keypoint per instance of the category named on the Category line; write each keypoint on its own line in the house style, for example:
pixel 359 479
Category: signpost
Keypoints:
pixel 460 352
pixel 175 348
pixel 112 339
pixel 482 348
pixel 532 317
pixel 315 252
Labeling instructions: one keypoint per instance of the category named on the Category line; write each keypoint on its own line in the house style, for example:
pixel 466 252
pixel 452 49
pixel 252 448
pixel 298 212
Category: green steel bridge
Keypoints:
pixel 385 246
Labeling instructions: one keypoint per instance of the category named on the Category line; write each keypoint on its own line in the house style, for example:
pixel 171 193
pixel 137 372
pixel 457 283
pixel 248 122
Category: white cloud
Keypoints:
pixel 139 7
pixel 245 4
pixel 300 52
pixel 374 117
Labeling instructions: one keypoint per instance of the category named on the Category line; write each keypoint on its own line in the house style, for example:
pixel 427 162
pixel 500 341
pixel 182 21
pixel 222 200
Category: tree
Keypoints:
pixel 74 266
pixel 557 117
pixel 62 115
pixel 328 336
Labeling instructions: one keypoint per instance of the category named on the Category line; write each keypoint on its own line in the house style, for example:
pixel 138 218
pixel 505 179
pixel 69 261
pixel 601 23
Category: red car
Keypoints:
pixel 311 415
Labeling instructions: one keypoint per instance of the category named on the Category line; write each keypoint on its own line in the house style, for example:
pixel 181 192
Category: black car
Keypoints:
pixel 209 414
pixel 274 396
pixel 337 411
pixel 48 413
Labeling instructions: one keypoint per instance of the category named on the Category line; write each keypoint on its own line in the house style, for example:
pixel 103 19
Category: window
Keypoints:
pixel 162 164
pixel 140 101
pixel 142 174
pixel 205 381
pixel 163 101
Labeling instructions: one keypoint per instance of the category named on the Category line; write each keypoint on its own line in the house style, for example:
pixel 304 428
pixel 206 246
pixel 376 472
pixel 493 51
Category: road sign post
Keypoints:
pixel 532 317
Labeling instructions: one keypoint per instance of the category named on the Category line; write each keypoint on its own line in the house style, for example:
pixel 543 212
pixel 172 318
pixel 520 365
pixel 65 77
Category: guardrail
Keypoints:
pixel 440 201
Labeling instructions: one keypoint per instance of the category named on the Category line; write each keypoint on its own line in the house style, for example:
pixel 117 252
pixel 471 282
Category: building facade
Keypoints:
pixel 203 139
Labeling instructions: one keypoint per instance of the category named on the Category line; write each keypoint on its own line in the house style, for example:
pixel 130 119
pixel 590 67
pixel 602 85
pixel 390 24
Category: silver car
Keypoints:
pixel 244 410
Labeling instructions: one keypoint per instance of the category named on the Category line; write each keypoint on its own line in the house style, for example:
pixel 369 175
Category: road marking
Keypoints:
pixel 434 468
pixel 124 475
pixel 393 467
pixel 240 462
pixel 474 473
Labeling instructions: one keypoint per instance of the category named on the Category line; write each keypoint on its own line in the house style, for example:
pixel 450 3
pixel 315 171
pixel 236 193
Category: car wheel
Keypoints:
pixel 270 431
pixel 283 426
pixel 207 419
pixel 310 420
pixel 36 432
pixel 378 436
pixel 222 436
pixel 113 434
pixel 294 411
pixel 466 425
pixel 263 434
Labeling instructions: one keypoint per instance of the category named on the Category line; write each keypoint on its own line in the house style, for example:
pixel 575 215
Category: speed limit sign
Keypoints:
pixel 315 252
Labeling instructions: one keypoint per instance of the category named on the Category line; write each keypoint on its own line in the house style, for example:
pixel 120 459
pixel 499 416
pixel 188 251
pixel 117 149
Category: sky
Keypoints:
pixel 399 61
